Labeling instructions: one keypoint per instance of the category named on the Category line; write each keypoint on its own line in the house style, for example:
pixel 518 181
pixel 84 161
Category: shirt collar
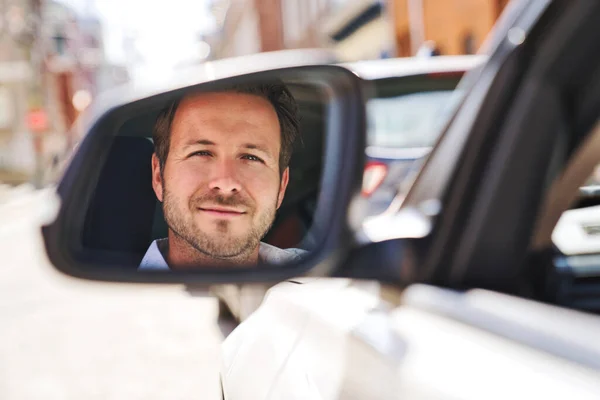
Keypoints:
pixel 155 261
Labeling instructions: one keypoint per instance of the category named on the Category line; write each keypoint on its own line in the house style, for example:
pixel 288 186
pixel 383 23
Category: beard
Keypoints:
pixel 220 240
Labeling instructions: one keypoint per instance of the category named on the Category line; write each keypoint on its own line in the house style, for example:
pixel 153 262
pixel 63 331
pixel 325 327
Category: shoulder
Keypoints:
pixel 153 259
pixel 275 255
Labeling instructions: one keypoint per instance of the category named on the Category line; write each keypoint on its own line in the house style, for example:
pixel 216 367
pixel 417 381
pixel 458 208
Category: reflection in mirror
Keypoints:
pixel 226 177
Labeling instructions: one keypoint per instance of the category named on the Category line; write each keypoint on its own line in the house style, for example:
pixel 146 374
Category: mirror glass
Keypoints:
pixel 221 177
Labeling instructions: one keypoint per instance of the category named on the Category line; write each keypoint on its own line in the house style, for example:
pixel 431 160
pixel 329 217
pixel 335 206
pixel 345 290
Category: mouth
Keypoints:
pixel 222 212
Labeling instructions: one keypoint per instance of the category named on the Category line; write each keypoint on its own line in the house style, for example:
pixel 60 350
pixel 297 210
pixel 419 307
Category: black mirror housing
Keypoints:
pixel 340 180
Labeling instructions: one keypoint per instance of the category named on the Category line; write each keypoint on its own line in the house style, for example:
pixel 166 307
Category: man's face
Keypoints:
pixel 221 183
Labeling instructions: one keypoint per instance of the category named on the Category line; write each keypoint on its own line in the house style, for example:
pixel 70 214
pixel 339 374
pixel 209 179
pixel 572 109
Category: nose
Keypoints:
pixel 224 179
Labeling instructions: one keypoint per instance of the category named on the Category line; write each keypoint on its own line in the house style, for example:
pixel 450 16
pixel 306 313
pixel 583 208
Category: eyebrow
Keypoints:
pixel 251 146
pixel 205 142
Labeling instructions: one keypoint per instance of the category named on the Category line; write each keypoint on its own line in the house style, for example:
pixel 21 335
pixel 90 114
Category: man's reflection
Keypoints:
pixel 220 169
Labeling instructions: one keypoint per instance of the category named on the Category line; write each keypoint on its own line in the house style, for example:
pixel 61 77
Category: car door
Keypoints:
pixel 482 326
pixel 339 339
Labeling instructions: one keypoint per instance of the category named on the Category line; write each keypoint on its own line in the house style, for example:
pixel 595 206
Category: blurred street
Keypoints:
pixel 66 339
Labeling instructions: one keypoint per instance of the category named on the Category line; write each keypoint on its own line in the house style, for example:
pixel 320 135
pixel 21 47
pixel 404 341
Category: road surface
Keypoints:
pixel 62 338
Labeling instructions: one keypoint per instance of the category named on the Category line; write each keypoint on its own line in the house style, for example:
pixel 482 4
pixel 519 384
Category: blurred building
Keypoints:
pixel 73 57
pixel 237 29
pixel 52 65
pixel 75 69
pixel 448 27
pixel 361 30
pixel 354 29
pixel 20 89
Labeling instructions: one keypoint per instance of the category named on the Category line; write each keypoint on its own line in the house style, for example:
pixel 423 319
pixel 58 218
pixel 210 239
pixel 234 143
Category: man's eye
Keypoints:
pixel 251 158
pixel 201 153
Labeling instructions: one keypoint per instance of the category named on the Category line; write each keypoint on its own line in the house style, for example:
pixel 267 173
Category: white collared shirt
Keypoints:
pixel 155 261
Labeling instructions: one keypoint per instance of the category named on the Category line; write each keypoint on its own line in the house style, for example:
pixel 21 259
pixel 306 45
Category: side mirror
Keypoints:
pixel 190 183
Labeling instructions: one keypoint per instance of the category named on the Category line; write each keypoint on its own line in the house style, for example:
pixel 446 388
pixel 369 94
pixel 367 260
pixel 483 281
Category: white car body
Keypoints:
pixel 331 339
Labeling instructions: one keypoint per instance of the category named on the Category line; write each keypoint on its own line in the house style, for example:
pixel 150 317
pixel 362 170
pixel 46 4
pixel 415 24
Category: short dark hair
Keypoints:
pixel 276 93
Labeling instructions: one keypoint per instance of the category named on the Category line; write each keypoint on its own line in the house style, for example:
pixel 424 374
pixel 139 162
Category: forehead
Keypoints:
pixel 227 116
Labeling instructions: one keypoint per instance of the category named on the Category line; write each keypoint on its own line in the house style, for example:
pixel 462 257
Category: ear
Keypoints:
pixel 157 182
pixel 285 178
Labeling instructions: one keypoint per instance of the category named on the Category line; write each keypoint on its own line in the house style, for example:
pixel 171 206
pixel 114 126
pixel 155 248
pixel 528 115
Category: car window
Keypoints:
pixel 409 111
pixel 412 120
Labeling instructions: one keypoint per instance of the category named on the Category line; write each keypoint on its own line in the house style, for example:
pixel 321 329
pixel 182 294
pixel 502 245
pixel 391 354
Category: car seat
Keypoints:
pixel 121 213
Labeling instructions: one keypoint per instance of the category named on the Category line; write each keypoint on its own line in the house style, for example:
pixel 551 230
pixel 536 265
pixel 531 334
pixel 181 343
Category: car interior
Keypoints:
pixel 124 216
pixel 552 131
pixel 572 204
pixel 569 212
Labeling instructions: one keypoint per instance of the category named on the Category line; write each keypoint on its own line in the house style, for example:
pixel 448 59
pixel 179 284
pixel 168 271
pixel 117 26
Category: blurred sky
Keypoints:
pixel 166 32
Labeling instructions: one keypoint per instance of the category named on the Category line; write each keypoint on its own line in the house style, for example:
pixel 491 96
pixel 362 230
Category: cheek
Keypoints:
pixel 184 179
pixel 263 187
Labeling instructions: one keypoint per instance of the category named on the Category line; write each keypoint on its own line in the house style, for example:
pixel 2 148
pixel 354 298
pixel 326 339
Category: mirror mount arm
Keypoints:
pixel 390 262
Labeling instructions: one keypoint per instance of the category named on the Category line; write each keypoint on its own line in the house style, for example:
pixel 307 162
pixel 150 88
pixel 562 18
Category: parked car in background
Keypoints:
pixel 410 101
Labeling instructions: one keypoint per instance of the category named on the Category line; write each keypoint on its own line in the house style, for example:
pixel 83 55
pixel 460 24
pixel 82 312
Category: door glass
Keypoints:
pixel 408 121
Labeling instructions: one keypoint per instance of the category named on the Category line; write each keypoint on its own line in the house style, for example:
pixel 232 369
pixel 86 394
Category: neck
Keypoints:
pixel 181 255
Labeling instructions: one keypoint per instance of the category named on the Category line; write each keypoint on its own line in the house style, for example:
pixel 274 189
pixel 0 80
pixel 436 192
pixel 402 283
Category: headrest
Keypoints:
pixel 121 213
